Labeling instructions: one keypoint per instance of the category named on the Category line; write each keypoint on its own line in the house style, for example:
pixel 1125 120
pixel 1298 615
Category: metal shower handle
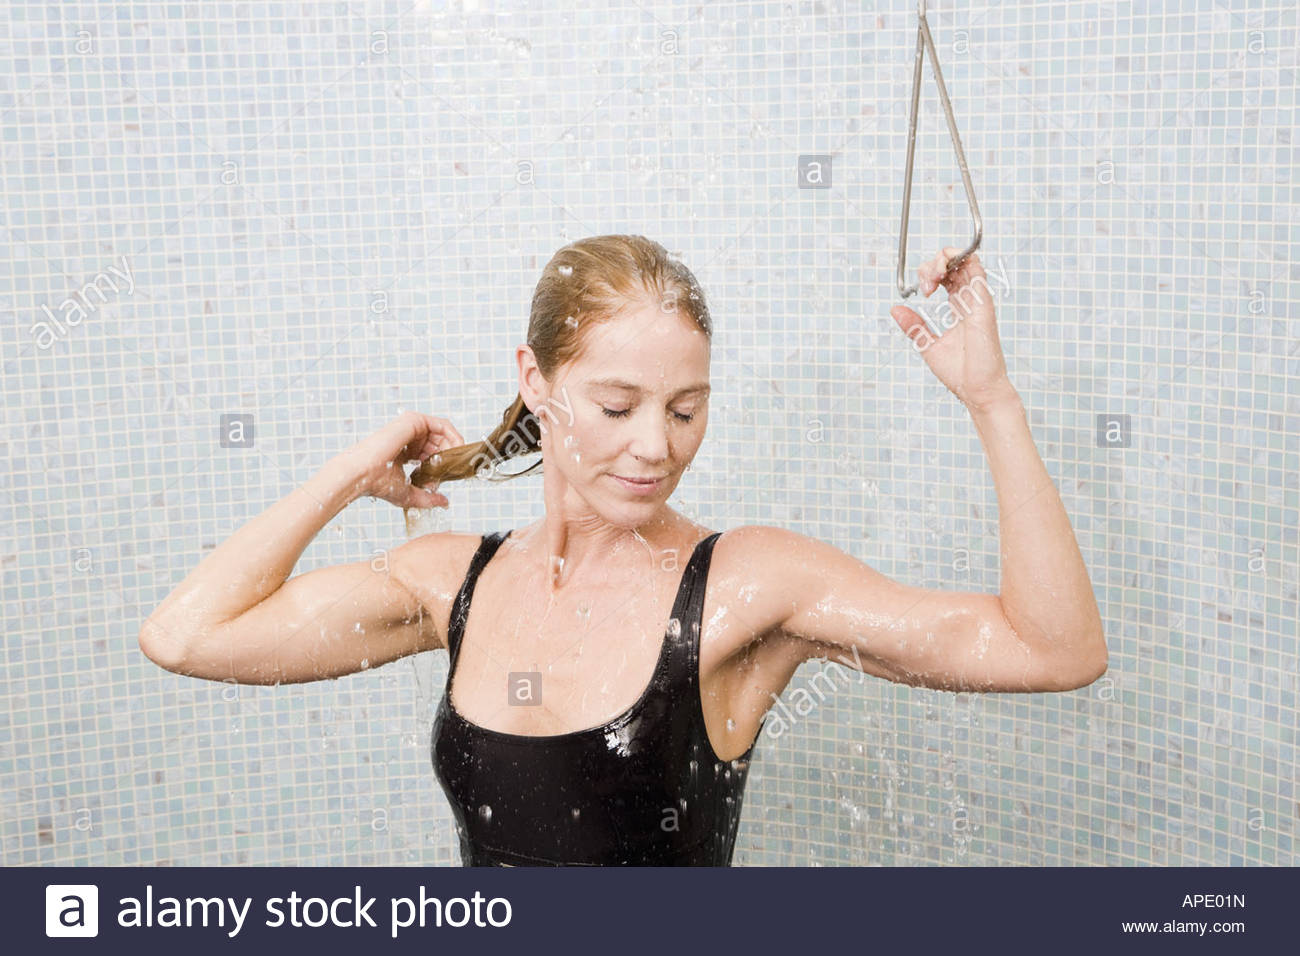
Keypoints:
pixel 923 39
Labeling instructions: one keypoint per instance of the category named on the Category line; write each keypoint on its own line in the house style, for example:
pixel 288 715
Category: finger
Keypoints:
pixel 926 275
pixel 911 323
pixel 936 270
pixel 442 441
pixel 424 498
pixel 913 327
pixel 972 268
pixel 454 435
pixel 434 441
pixel 421 476
pixel 944 272
pixel 446 429
pixel 964 271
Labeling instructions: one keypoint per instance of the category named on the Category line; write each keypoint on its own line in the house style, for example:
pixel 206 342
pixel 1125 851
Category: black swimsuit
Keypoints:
pixel 644 789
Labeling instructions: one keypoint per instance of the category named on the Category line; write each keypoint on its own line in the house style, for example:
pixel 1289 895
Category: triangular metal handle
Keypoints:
pixel 926 42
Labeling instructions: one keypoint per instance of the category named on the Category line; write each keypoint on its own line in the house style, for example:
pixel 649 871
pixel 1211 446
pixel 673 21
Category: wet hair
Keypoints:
pixel 587 281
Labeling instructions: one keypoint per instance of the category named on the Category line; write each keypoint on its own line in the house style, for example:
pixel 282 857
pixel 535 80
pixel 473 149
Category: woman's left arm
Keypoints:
pixel 1043 631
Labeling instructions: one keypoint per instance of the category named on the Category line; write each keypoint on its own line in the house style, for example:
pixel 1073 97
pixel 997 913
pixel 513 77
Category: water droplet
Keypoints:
pixel 568 441
pixel 584 613
pixel 357 629
pixel 674 629
pixel 365 663
pixel 566 271
pixel 731 724
pixel 571 322
pixel 485 812
pixel 575 812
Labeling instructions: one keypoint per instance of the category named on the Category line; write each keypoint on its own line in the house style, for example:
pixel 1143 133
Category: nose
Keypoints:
pixel 650 442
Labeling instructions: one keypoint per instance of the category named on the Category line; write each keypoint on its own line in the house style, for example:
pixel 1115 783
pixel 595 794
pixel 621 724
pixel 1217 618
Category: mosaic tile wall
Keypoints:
pixel 320 214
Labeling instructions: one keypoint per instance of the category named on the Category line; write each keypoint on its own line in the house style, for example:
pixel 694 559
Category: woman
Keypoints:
pixel 604 696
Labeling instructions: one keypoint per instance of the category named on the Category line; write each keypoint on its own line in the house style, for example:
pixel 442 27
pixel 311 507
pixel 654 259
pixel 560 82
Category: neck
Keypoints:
pixel 572 543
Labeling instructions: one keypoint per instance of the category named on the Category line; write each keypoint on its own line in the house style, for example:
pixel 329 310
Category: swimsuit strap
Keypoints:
pixel 460 609
pixel 688 609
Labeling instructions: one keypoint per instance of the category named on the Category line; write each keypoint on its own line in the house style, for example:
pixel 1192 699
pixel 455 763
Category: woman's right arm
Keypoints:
pixel 236 617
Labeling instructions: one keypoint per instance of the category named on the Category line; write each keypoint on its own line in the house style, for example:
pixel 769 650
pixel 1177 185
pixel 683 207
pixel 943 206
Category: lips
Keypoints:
pixel 639 486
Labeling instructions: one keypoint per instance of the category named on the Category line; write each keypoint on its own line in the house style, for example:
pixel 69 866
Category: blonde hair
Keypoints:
pixel 587 281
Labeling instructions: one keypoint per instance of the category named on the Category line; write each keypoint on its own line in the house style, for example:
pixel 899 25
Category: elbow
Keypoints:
pixel 1101 655
pixel 164 646
pixel 1094 673
pixel 1089 667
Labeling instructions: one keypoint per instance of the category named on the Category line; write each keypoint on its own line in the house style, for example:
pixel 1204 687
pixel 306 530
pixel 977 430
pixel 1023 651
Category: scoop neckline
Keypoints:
pixel 614 722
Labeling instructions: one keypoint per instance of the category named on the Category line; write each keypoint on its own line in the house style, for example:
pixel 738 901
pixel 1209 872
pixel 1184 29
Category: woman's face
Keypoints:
pixel 633 405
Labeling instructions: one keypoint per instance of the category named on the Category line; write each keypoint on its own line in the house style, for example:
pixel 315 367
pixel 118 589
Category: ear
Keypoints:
pixel 532 384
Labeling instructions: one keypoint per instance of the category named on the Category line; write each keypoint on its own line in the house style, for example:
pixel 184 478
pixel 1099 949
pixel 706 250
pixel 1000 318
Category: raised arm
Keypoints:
pixel 1042 632
pixel 235 617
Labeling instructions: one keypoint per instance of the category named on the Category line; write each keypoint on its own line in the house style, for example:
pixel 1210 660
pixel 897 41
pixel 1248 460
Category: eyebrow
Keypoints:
pixel 633 387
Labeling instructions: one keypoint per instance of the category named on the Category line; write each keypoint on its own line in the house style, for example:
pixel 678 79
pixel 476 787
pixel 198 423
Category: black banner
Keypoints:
pixel 646 910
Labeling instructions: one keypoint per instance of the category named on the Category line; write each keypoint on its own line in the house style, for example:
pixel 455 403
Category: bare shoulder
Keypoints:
pixel 782 562
pixel 432 568
pixel 759 541
pixel 775 580
pixel 746 657
pixel 753 565
pixel 750 586
pixel 761 555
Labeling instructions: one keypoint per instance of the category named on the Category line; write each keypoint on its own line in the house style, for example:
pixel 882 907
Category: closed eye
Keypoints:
pixel 621 412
